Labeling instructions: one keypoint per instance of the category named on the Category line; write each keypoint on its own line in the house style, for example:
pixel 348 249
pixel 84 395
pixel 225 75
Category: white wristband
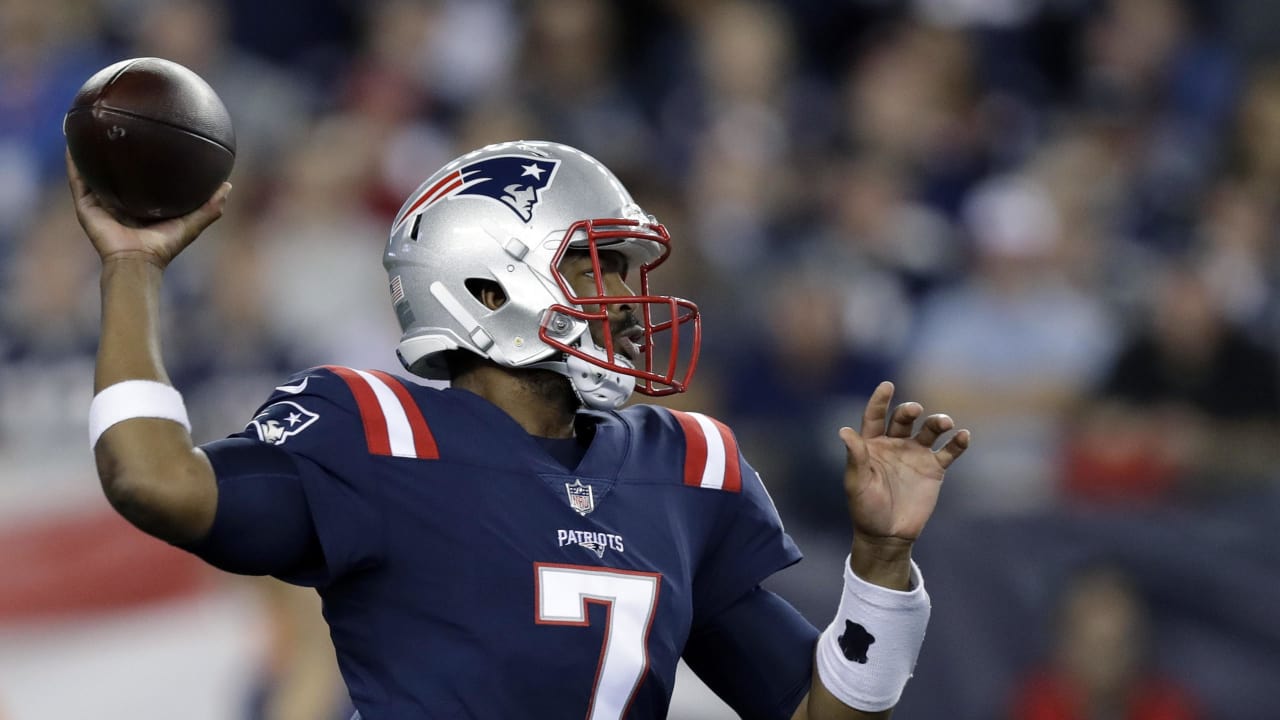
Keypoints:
pixel 134 399
pixel 866 655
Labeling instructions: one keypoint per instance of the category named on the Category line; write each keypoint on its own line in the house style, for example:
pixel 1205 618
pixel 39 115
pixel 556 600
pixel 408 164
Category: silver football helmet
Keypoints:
pixel 508 214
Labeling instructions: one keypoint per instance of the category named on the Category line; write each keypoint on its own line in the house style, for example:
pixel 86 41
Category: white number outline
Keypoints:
pixel 550 577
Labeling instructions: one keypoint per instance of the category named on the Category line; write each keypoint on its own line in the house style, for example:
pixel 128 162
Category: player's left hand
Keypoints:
pixel 893 476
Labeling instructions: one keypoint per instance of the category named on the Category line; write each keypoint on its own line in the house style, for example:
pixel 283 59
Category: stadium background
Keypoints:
pixel 1056 219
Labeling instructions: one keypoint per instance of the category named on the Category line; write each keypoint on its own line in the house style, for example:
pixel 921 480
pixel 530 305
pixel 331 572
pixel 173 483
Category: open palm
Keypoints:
pixel 893 475
pixel 115 236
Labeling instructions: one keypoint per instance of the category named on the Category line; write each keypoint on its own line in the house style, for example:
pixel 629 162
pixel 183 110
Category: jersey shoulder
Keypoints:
pixel 703 449
pixel 332 407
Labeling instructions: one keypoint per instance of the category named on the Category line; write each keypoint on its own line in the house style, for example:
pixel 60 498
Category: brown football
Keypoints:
pixel 150 137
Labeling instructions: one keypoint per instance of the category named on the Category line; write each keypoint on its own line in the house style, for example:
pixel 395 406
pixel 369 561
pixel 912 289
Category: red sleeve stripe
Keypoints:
pixel 375 428
pixel 424 443
pixel 713 471
pixel 711 453
pixel 732 472
pixel 386 416
pixel 695 448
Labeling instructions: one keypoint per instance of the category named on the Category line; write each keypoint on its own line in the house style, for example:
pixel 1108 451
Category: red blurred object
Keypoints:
pixel 1048 697
pixel 89 563
pixel 1118 468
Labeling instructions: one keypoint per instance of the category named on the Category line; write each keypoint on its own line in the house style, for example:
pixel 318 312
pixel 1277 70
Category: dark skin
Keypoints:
pixel 541 400
pixel 156 478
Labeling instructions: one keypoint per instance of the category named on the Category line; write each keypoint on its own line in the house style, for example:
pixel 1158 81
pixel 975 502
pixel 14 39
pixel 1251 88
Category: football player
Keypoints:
pixel 519 544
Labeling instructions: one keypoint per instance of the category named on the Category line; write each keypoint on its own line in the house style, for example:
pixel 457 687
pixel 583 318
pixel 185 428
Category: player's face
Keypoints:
pixel 624 325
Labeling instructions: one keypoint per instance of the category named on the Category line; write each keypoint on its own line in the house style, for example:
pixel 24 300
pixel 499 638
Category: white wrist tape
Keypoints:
pixel 134 399
pixel 866 655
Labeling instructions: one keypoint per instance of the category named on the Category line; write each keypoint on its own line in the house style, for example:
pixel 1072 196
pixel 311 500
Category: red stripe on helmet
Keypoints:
pixel 454 177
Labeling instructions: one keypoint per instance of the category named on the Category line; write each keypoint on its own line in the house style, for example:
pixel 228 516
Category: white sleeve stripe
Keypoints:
pixel 399 432
pixel 713 470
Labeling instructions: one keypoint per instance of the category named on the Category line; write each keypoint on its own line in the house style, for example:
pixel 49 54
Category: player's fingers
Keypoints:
pixel 78 188
pixel 855 447
pixel 933 427
pixel 204 216
pixel 873 417
pixel 953 449
pixel 89 209
pixel 904 419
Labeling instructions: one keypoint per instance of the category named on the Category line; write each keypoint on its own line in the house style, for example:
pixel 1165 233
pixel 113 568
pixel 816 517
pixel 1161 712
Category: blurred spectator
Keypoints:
pixel 387 81
pixel 994 13
pixel 48 311
pixel 1241 259
pixel 912 97
pixel 873 224
pixel 1162 88
pixel 270 106
pixel 320 230
pixel 1191 403
pixel 1239 222
pixel 48 48
pixel 301 679
pixel 313 38
pixel 1252 28
pixel 834 320
pixel 1255 142
pixel 422 73
pixel 1154 55
pixel 1100 666
pixel 472 49
pixel 490 122
pixel 801 382
pixel 735 111
pixel 571 83
pixel 226 352
pixel 1009 350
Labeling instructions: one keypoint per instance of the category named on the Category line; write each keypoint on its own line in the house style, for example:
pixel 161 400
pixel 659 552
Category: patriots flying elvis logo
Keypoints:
pixel 283 420
pixel 516 181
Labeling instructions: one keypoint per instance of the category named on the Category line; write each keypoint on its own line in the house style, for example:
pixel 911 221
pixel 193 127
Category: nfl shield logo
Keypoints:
pixel 580 497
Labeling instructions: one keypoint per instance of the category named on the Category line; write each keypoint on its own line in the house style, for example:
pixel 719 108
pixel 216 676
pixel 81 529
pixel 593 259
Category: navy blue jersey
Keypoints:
pixel 467 572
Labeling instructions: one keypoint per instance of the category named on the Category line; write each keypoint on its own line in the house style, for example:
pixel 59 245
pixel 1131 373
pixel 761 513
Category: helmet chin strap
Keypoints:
pixel 597 388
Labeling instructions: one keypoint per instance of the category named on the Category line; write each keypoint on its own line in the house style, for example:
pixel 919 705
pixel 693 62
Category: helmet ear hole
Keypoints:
pixel 488 292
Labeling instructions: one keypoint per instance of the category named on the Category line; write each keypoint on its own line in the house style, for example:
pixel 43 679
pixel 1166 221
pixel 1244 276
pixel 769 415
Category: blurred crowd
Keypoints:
pixel 1054 219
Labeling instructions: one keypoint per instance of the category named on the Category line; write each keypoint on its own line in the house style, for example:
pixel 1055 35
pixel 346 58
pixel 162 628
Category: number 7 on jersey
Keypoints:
pixel 630 597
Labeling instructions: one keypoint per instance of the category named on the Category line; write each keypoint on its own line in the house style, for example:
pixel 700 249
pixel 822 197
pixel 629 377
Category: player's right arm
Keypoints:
pixel 150 471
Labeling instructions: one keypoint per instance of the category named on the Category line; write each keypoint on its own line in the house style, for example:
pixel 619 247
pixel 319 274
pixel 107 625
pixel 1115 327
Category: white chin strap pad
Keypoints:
pixel 598 388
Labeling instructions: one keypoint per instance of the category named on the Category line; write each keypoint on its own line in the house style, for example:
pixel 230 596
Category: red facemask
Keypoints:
pixel 672 326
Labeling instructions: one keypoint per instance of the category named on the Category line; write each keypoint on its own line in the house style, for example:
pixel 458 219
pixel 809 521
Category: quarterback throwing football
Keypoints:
pixel 519 545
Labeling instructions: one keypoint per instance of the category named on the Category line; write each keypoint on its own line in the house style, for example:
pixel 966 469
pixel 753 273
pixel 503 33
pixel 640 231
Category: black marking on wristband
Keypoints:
pixel 855 642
